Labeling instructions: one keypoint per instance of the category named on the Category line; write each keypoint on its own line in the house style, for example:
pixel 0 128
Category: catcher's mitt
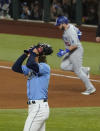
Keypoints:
pixel 44 49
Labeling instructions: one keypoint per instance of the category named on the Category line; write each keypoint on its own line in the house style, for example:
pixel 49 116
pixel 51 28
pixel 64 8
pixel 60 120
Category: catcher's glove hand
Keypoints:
pixel 29 50
pixel 44 49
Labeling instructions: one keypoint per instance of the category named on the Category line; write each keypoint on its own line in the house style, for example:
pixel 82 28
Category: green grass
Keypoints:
pixel 92 56
pixel 61 119
pixel 11 46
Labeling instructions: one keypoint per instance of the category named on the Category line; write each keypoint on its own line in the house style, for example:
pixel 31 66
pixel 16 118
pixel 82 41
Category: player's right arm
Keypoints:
pixel 30 64
pixel 17 66
pixel 73 47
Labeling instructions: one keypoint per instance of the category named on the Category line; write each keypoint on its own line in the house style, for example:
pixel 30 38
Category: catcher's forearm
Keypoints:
pixel 17 65
pixel 31 63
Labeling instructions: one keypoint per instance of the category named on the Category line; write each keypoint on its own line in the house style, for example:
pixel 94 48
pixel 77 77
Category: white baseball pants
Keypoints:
pixel 38 113
pixel 74 63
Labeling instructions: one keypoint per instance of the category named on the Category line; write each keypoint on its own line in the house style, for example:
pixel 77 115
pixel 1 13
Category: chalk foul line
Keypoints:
pixel 5 67
pixel 53 74
pixel 72 77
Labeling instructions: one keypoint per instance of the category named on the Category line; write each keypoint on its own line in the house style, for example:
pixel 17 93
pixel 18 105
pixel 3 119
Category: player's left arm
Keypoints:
pixel 31 62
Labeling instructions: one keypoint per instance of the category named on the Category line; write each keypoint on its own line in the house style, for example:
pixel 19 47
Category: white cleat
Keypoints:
pixel 88 72
pixel 89 91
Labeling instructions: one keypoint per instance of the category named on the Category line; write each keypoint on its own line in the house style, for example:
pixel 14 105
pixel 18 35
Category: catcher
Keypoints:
pixel 38 73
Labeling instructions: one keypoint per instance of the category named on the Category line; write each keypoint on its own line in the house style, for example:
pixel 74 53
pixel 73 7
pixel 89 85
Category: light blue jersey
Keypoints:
pixel 37 84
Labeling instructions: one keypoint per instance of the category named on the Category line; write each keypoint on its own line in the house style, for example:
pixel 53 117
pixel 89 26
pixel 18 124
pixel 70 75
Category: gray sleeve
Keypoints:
pixel 73 38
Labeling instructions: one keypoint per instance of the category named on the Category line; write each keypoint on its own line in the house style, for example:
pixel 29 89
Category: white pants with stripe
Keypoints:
pixel 37 115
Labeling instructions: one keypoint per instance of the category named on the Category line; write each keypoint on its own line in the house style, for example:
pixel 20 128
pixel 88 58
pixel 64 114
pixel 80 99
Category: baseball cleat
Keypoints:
pixel 88 72
pixel 89 91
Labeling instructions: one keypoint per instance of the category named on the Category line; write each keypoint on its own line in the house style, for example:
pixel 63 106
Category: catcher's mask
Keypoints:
pixel 44 49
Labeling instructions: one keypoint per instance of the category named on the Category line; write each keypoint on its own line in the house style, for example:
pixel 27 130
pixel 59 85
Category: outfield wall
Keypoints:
pixel 41 29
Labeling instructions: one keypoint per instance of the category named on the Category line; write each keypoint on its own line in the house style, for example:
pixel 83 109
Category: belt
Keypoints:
pixel 36 101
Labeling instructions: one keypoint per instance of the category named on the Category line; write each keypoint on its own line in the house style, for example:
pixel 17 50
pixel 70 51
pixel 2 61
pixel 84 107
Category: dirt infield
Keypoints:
pixel 63 92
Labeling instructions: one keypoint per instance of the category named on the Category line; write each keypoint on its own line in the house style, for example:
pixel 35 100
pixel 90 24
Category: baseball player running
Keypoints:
pixel 38 73
pixel 73 53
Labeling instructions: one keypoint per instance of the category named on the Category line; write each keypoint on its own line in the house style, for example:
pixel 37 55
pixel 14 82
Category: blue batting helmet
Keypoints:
pixel 61 20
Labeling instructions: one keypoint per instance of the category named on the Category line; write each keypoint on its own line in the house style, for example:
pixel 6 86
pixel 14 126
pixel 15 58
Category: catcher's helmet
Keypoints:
pixel 47 49
pixel 61 20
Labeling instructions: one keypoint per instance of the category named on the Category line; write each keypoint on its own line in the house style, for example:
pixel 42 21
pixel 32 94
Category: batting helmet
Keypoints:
pixel 61 20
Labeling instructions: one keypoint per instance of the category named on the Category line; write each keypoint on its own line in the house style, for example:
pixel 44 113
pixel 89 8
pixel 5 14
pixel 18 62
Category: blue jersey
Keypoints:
pixel 37 84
